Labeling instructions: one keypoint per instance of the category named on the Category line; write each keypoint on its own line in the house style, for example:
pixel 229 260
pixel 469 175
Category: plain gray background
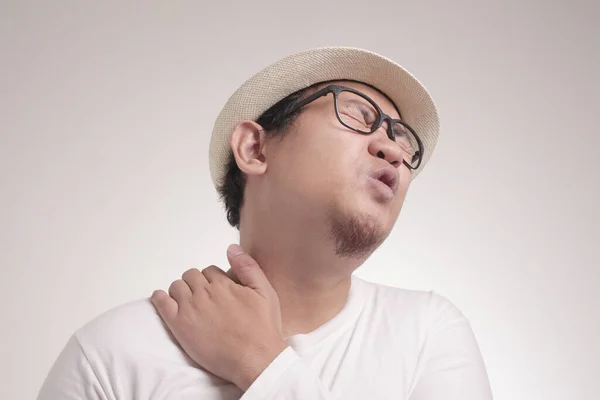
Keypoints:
pixel 105 114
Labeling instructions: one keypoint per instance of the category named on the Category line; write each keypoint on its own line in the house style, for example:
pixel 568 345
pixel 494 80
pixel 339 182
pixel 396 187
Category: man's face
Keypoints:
pixel 323 168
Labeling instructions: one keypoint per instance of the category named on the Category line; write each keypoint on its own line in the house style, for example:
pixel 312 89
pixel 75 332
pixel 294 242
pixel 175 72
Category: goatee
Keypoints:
pixel 355 236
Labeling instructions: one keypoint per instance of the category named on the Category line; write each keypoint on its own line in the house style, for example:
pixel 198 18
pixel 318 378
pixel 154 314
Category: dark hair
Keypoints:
pixel 275 122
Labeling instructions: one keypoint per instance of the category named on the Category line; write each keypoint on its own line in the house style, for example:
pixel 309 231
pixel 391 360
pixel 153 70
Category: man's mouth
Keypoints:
pixel 388 176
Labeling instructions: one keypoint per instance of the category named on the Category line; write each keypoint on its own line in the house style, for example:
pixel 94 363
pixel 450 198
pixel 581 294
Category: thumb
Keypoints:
pixel 247 270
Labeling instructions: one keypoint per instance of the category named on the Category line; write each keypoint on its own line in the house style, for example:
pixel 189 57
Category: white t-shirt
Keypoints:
pixel 386 343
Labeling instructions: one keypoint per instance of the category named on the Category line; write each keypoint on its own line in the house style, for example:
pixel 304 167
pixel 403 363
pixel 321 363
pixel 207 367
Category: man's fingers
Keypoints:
pixel 233 276
pixel 248 272
pixel 180 291
pixel 166 306
pixel 195 279
pixel 213 273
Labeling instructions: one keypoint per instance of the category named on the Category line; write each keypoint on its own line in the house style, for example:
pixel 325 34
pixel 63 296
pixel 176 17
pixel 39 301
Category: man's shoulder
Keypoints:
pixel 387 293
pixel 128 349
pixel 122 321
pixel 133 329
pixel 423 304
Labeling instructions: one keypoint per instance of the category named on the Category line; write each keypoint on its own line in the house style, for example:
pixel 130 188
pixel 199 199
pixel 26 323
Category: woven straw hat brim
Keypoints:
pixel 300 70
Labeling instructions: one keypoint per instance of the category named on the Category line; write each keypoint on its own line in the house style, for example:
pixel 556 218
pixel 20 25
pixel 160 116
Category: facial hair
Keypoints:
pixel 355 236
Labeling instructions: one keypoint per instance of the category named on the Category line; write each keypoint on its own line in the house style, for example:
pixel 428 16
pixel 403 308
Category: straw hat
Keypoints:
pixel 300 70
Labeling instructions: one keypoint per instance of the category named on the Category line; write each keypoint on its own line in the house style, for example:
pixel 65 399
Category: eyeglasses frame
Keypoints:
pixel 337 89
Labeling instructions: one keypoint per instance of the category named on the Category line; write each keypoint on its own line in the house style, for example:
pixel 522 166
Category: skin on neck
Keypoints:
pixel 309 216
pixel 311 281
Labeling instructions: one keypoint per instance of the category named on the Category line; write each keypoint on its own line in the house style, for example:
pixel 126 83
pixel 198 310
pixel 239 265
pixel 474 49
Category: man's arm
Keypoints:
pixel 71 377
pixel 451 366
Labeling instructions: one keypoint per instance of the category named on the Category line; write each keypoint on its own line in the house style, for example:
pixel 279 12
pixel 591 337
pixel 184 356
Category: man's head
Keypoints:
pixel 311 165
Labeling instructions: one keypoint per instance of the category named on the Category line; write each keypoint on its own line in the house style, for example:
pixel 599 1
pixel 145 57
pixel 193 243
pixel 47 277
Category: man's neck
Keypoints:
pixel 311 281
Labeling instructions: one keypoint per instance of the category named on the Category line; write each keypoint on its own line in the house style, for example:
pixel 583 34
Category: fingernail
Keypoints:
pixel 234 250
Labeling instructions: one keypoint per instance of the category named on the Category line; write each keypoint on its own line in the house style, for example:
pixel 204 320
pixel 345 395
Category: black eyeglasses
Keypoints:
pixel 356 111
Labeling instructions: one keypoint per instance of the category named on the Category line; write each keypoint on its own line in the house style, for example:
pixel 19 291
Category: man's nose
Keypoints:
pixel 382 146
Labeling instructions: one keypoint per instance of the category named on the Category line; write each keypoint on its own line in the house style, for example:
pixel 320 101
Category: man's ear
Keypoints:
pixel 248 145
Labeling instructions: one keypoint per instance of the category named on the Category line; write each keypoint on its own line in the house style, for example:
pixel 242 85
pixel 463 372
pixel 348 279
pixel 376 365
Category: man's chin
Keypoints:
pixel 356 236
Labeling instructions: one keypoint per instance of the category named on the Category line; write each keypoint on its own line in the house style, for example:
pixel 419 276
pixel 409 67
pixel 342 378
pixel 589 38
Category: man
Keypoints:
pixel 313 157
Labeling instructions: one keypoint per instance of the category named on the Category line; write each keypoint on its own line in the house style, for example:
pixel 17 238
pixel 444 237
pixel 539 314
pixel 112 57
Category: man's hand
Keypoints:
pixel 228 323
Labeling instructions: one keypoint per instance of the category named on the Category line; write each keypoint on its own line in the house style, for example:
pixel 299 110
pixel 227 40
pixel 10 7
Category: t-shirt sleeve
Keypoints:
pixel 451 366
pixel 71 377
pixel 288 377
